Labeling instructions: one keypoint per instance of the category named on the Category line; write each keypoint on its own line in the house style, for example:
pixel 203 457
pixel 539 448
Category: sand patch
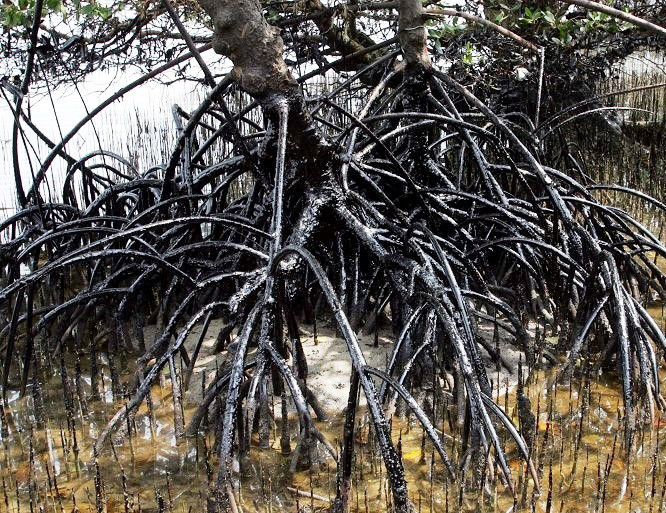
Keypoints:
pixel 329 364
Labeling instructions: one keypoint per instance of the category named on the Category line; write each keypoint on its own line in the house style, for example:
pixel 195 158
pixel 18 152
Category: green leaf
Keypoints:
pixel 12 16
pixel 500 17
pixel 468 58
pixel 88 9
pixel 103 12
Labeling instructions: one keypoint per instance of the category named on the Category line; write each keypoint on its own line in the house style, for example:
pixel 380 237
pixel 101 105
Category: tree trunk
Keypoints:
pixel 255 47
pixel 413 35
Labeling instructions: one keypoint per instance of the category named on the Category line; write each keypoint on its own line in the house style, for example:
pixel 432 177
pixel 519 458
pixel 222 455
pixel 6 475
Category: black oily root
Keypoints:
pixel 417 197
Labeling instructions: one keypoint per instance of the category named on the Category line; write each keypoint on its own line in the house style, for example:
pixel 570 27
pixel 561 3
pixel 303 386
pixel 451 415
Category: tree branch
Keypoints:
pixel 620 15
pixel 482 21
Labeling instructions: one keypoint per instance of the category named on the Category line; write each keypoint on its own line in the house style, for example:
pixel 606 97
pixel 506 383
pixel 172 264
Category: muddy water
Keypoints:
pixel 583 464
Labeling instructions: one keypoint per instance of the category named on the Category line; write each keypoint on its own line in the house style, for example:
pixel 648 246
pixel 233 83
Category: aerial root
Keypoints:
pixel 422 208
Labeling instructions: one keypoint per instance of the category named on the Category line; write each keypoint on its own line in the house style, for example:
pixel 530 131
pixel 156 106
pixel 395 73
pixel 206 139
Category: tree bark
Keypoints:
pixel 345 39
pixel 255 47
pixel 413 35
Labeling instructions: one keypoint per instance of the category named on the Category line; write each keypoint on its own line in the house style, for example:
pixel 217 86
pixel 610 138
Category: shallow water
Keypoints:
pixel 45 469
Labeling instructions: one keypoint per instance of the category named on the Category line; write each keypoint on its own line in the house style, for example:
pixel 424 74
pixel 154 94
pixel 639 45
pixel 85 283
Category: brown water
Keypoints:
pixel 42 470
